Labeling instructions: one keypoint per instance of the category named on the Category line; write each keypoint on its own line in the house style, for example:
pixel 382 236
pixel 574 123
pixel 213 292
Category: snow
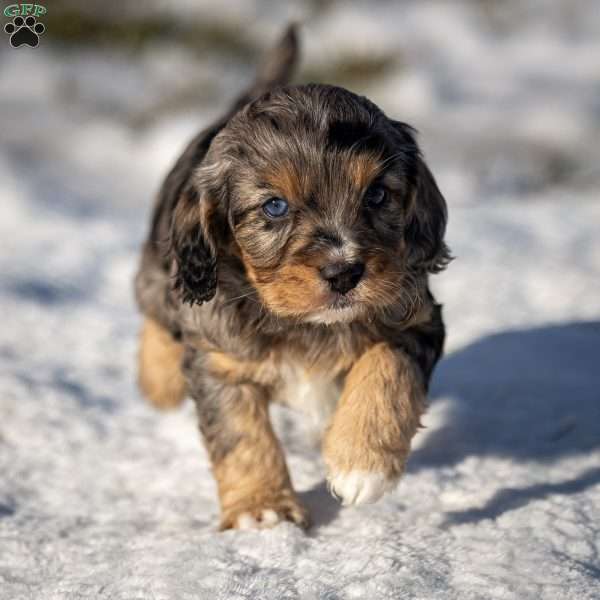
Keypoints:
pixel 101 497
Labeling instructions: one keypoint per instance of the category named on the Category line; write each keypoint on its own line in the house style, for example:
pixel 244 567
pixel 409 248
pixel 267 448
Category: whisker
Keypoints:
pixel 242 296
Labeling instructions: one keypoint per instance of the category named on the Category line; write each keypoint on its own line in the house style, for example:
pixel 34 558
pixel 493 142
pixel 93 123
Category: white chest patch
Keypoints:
pixel 314 395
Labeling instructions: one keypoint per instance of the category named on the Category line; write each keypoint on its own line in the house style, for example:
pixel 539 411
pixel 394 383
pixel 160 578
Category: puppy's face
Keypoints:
pixel 330 207
pixel 319 221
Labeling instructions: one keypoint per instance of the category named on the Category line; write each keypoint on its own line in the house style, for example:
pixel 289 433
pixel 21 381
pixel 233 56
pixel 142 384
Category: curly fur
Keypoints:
pixel 245 298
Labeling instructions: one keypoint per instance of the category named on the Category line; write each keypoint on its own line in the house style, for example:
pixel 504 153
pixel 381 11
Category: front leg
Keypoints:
pixel 368 441
pixel 253 482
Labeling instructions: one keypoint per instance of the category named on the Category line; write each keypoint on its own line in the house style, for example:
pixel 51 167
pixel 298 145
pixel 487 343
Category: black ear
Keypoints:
pixel 193 220
pixel 426 210
pixel 426 224
pixel 193 248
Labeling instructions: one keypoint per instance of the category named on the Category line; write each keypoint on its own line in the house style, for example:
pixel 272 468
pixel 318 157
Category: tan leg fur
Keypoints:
pixel 371 430
pixel 159 374
pixel 253 481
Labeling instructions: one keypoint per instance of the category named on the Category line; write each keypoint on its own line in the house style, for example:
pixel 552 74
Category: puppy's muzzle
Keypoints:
pixel 342 276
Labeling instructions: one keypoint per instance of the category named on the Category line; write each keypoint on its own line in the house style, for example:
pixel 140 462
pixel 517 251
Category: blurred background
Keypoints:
pixel 506 98
pixel 505 94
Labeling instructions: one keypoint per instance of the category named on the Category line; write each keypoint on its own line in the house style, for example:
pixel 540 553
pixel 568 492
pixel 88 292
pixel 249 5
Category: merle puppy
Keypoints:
pixel 288 260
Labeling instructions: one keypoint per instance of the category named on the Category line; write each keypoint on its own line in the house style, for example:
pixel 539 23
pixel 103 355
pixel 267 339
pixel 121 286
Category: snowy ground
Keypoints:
pixel 100 497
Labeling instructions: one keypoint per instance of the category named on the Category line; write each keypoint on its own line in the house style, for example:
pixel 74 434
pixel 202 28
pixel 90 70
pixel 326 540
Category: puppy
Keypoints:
pixel 288 260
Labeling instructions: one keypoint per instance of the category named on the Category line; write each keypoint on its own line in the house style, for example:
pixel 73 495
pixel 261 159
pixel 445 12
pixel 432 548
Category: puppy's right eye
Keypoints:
pixel 275 208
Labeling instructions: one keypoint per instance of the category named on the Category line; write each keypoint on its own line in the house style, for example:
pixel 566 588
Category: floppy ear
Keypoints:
pixel 426 224
pixel 193 247
pixel 426 211
pixel 195 221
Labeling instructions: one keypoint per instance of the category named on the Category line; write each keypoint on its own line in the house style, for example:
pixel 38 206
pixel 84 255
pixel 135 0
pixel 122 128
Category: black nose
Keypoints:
pixel 342 277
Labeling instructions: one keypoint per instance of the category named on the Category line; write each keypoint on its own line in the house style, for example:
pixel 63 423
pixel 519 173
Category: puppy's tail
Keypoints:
pixel 276 68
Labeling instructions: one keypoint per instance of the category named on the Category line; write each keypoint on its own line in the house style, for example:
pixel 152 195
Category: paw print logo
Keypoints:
pixel 24 32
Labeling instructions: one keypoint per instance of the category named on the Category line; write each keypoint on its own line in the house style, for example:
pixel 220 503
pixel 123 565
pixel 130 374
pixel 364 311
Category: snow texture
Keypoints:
pixel 101 497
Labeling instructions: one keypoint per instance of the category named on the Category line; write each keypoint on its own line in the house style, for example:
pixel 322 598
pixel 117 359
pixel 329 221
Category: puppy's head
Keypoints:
pixel 326 202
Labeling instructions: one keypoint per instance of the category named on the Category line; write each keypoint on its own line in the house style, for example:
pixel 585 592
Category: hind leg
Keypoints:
pixel 159 368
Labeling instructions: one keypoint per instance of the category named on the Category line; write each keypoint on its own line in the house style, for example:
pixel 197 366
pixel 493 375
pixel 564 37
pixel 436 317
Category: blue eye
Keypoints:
pixel 376 195
pixel 275 207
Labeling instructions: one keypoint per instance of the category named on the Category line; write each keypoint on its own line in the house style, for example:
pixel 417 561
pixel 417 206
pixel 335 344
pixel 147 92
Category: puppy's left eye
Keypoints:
pixel 375 196
pixel 275 207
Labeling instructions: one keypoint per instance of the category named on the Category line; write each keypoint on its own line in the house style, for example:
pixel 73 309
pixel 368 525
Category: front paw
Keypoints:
pixel 360 472
pixel 359 487
pixel 264 513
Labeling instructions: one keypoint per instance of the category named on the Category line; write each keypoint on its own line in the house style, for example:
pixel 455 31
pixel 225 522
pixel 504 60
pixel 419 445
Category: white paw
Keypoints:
pixel 268 518
pixel 360 487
